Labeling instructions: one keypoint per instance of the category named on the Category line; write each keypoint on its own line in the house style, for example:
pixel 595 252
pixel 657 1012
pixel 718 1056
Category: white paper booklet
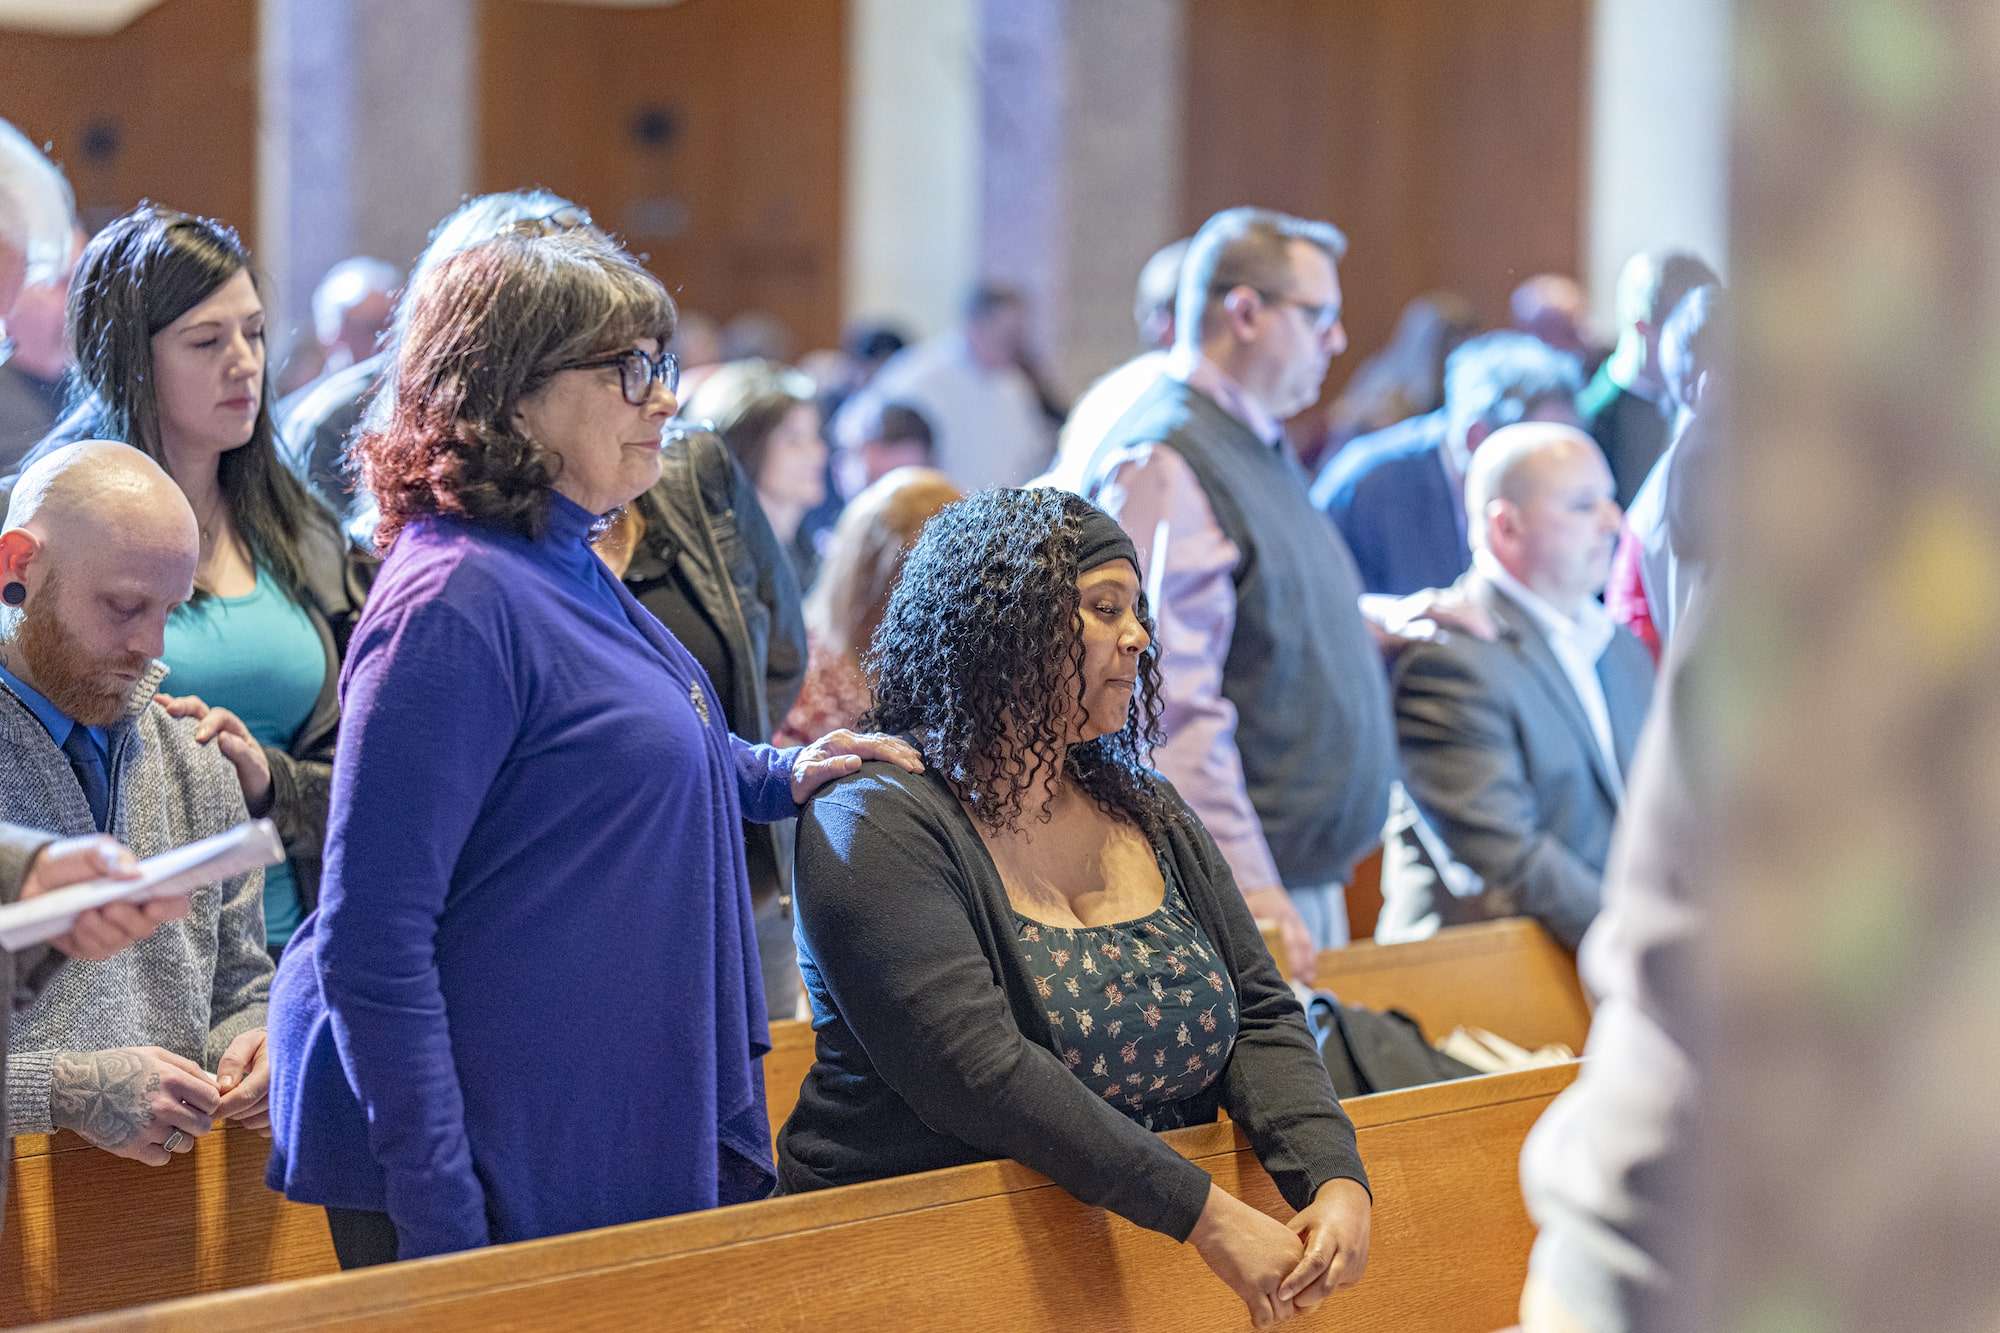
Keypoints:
pixel 181 871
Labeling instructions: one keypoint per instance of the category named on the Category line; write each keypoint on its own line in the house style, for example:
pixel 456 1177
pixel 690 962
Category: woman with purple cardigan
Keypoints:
pixel 529 1000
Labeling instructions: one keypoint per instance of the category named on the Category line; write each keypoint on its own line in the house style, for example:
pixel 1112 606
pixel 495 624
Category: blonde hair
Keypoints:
pixel 864 556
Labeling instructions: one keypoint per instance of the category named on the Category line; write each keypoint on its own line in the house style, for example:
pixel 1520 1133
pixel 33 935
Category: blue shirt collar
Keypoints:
pixel 58 723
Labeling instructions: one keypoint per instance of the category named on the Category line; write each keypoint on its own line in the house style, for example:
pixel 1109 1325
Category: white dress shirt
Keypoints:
pixel 1577 643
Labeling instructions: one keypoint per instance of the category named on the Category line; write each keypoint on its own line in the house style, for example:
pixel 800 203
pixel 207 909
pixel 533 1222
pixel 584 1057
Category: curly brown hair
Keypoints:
pixel 980 656
pixel 488 327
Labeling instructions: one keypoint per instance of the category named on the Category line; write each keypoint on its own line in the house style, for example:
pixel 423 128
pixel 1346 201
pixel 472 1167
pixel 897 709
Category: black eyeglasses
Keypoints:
pixel 1320 318
pixel 567 218
pixel 637 372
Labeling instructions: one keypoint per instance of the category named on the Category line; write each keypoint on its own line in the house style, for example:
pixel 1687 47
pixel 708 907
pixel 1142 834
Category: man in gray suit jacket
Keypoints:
pixel 1515 751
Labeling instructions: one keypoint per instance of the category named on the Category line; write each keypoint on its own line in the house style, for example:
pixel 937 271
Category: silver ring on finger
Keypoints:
pixel 175 1140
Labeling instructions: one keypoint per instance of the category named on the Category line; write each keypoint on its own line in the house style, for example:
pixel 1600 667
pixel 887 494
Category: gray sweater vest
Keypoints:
pixel 1313 722
pixel 196 983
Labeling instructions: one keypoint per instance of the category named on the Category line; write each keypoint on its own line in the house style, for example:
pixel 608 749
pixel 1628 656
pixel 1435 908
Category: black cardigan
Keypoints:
pixel 933 1050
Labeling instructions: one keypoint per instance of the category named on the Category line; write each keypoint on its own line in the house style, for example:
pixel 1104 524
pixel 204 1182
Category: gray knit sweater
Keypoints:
pixel 197 983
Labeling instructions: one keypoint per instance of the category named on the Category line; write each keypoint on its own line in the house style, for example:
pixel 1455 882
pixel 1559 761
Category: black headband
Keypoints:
pixel 1100 541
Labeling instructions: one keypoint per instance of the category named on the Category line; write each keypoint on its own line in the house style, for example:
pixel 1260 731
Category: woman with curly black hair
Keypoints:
pixel 1032 949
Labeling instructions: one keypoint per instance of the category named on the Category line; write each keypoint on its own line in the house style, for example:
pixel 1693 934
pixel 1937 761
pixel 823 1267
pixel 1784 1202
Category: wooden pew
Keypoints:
pixel 223 1230
pixel 785 1069
pixel 986 1246
pixel 86 1231
pixel 1509 977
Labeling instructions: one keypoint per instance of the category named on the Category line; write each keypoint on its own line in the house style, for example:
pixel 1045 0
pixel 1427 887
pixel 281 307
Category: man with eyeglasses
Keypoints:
pixel 1274 699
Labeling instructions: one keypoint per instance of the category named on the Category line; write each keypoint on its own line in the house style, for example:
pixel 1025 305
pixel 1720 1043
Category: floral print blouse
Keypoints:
pixel 1144 1011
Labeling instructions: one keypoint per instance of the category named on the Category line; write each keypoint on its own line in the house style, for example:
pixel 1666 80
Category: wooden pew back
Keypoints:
pixel 1509 977
pixel 87 1231
pixel 986 1246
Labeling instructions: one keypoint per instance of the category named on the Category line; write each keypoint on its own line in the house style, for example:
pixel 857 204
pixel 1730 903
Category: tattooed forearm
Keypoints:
pixel 106 1096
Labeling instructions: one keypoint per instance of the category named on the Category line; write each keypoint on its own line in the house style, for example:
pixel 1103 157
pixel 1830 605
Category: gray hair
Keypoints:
pixel 1496 379
pixel 37 208
pixel 344 286
pixel 1244 247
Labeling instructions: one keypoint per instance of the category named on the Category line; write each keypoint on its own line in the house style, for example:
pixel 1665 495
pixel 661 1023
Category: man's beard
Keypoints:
pixel 85 688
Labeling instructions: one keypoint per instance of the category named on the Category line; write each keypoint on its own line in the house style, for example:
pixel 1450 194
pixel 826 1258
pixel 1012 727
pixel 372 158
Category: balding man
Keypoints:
pixel 1626 405
pixel 37 224
pixel 1515 750
pixel 140 1052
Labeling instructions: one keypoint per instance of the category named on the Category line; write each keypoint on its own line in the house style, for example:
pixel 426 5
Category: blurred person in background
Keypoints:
pixel 1663 555
pixel 862 562
pixel 986 410
pixel 314 425
pixel 168 326
pixel 897 436
pixel 1403 380
pixel 32 379
pixel 1113 394
pixel 698 341
pixel 1551 306
pixel 768 415
pixel 1626 406
pixel 1398 495
pixel 757 335
pixel 350 310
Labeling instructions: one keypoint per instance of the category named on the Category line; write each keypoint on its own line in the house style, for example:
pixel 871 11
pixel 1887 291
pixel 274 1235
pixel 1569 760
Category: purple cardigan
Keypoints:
pixel 529 1000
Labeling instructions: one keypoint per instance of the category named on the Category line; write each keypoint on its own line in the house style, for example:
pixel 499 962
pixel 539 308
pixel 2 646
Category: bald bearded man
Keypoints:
pixel 140 1052
pixel 1515 750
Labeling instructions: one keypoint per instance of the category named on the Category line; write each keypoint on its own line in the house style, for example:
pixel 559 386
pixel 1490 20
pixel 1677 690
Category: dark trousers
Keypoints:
pixel 361 1238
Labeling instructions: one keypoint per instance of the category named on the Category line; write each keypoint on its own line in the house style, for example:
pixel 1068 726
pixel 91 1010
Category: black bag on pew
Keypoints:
pixel 1369 1050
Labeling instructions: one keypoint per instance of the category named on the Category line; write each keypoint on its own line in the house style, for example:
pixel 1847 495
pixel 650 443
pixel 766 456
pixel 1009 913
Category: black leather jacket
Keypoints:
pixel 337 578
pixel 703 522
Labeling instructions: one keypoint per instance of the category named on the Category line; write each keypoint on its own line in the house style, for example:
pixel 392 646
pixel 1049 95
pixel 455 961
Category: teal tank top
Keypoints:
pixel 260 657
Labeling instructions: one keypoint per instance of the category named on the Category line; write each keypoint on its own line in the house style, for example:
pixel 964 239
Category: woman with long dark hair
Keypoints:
pixel 168 325
pixel 1033 949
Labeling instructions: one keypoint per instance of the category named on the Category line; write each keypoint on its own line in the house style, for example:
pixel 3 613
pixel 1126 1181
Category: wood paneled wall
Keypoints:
pixel 1444 137
pixel 709 135
pixel 165 109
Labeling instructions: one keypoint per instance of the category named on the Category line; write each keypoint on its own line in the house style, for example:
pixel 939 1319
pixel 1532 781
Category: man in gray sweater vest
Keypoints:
pixel 140 1052
pixel 1273 692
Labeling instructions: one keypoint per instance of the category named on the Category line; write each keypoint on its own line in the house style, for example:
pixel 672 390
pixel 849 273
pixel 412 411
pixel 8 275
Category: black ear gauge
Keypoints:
pixel 14 593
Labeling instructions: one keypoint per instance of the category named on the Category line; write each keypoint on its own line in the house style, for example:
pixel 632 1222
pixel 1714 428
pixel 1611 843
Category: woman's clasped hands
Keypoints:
pixel 1282 1269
